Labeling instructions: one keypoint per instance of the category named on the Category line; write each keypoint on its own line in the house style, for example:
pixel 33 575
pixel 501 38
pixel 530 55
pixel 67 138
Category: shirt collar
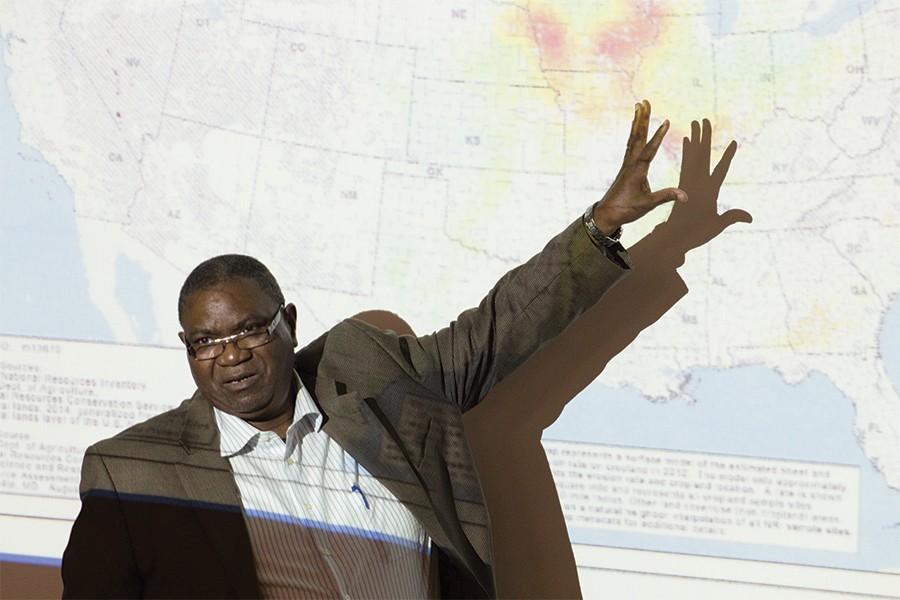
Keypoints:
pixel 237 436
pixel 303 406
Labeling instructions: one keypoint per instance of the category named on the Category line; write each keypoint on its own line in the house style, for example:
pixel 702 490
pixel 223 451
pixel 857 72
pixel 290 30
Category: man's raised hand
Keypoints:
pixel 630 197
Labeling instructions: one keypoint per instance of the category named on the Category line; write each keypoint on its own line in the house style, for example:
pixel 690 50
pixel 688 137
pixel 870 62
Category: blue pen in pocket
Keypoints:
pixel 355 487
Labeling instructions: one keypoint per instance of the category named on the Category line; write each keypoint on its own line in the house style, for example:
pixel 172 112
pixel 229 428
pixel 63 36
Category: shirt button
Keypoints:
pixel 290 461
pixel 346 596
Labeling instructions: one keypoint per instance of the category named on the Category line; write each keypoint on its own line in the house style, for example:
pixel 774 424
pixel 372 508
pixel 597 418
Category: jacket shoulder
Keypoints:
pixel 160 431
pixel 139 460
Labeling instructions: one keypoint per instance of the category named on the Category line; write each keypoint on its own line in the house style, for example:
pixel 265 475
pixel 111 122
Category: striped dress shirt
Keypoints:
pixel 320 526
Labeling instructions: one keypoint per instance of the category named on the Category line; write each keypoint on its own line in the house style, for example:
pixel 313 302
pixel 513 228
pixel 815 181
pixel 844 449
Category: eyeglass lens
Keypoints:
pixel 248 342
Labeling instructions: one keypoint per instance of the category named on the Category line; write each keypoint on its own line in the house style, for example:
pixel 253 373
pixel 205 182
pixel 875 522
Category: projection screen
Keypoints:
pixel 403 155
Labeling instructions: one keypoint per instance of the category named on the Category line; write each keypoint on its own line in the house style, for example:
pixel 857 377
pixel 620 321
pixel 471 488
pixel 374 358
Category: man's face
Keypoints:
pixel 252 384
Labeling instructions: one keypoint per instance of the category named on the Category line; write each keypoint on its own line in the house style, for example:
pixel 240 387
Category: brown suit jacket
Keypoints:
pixel 161 513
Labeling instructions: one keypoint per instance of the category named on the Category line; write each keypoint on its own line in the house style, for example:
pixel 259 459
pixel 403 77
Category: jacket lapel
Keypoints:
pixel 362 428
pixel 368 438
pixel 215 499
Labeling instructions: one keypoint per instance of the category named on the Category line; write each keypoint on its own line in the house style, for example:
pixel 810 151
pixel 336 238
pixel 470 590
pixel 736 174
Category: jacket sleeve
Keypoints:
pixel 98 561
pixel 528 306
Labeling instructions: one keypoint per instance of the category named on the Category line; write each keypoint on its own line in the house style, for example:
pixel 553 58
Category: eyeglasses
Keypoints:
pixel 246 340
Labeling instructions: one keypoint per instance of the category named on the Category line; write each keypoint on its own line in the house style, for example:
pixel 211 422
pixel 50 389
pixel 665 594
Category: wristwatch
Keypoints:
pixel 600 240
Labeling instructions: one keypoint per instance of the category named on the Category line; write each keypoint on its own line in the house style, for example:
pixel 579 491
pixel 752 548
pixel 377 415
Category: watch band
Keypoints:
pixel 598 237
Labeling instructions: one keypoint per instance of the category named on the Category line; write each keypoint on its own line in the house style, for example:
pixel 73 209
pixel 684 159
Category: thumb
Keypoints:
pixel 730 217
pixel 668 195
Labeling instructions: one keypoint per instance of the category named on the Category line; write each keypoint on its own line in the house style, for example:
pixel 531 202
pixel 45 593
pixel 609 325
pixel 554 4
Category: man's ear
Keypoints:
pixel 290 317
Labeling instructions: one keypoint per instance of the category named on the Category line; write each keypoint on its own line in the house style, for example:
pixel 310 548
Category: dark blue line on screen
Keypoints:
pixel 345 529
pixel 24 559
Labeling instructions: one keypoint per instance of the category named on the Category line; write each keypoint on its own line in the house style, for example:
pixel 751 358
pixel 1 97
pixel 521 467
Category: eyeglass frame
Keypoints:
pixel 236 337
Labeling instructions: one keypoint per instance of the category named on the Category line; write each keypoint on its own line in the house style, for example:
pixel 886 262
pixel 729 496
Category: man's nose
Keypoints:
pixel 232 354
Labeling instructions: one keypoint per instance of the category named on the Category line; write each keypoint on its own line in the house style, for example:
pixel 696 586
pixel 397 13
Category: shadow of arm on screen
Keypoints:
pixel 531 546
pixel 538 391
pixel 532 549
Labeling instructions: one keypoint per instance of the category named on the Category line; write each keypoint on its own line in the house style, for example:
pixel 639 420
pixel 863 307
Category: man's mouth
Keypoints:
pixel 241 381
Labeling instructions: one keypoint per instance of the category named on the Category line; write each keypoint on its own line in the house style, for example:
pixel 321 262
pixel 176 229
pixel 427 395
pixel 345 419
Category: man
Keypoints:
pixel 329 472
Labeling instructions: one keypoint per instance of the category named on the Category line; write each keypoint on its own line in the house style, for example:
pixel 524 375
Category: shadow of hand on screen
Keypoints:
pixel 534 557
pixel 697 222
